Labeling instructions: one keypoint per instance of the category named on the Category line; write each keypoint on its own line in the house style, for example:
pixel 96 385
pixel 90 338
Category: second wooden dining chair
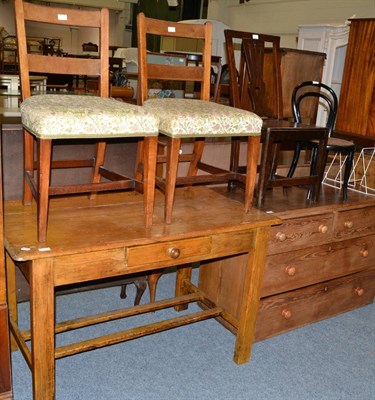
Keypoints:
pixel 73 118
pixel 197 119
pixel 254 79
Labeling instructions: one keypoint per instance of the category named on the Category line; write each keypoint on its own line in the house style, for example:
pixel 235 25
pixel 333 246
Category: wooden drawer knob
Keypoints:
pixel 286 313
pixel 280 236
pixel 359 291
pixel 323 228
pixel 174 252
pixel 348 224
pixel 290 270
pixel 364 253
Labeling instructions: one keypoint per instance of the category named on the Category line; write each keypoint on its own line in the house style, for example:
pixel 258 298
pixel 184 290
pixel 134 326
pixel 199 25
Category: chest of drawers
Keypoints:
pixel 320 262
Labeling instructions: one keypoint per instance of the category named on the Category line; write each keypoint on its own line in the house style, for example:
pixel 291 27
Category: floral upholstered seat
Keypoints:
pixel 76 116
pixel 186 118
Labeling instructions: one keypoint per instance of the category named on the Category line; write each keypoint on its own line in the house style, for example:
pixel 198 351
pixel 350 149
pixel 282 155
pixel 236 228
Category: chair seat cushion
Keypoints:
pixel 64 116
pixel 191 118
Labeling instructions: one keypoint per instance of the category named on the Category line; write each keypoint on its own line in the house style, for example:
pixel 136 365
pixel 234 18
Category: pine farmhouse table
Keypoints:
pixel 105 237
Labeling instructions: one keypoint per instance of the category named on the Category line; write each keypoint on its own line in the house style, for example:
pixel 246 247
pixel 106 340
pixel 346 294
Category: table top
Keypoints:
pixel 112 221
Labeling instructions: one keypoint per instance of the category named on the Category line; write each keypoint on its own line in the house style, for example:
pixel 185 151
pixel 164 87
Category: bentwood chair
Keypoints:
pixel 254 80
pixel 48 117
pixel 327 97
pixel 196 119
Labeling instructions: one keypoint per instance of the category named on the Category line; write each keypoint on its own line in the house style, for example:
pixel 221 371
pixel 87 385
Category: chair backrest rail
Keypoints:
pixel 38 63
pixel 200 74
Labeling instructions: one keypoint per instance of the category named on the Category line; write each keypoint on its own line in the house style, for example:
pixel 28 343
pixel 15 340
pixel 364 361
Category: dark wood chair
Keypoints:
pixel 248 88
pixel 196 119
pixel 48 117
pixel 273 137
pixel 328 98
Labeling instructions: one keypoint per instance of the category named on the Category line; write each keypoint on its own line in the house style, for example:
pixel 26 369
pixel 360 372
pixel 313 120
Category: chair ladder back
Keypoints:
pixel 257 84
pixel 146 71
pixel 38 63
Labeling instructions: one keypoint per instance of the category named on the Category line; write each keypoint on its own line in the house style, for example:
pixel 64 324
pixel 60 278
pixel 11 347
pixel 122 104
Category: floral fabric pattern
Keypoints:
pixel 191 118
pixel 60 116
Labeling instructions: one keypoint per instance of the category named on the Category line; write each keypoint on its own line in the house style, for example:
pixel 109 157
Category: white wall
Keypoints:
pixel 282 17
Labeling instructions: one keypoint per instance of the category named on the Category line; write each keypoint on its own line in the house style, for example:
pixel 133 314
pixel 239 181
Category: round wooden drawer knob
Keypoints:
pixel 286 313
pixel 323 228
pixel 364 253
pixel 348 224
pixel 359 291
pixel 290 270
pixel 280 236
pixel 174 252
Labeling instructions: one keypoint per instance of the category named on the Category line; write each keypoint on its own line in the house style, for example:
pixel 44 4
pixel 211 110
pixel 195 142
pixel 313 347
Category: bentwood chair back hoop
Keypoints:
pixel 46 117
pixel 327 98
pixel 255 80
pixel 196 119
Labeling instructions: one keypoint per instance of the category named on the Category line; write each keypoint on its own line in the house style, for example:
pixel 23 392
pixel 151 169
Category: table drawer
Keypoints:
pixel 169 253
pixel 301 232
pixel 287 311
pixel 354 223
pixel 308 266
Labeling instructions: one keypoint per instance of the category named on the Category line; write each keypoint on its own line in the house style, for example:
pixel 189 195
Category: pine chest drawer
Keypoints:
pixel 290 310
pixel 295 269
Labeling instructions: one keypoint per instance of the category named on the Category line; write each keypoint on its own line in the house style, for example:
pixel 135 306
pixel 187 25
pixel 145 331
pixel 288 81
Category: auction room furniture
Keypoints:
pixel 196 119
pixel 320 262
pixel 356 114
pixel 214 228
pixel 274 137
pixel 5 367
pixel 339 147
pixel 10 84
pixel 248 87
pixel 60 116
pixel 333 41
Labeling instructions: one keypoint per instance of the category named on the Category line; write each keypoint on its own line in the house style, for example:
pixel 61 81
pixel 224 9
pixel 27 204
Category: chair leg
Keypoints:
pixel 152 280
pixel 348 168
pixel 138 173
pixel 44 172
pixel 253 145
pixel 296 155
pixel 99 160
pixel 28 167
pixel 234 161
pixel 265 169
pixel 150 148
pixel 197 156
pixel 173 150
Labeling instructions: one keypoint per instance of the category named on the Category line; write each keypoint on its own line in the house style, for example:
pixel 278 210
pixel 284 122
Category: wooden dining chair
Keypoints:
pixel 326 96
pixel 254 80
pixel 276 136
pixel 47 117
pixel 198 119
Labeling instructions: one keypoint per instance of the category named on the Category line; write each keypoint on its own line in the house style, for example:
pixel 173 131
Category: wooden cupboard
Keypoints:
pixel 356 113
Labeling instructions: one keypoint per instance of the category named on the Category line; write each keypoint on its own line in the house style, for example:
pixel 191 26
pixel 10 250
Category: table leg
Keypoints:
pixel 11 294
pixel 183 273
pixel 42 310
pixel 251 295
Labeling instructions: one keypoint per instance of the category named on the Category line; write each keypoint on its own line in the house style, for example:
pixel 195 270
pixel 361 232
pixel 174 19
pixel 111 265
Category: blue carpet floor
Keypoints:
pixel 330 360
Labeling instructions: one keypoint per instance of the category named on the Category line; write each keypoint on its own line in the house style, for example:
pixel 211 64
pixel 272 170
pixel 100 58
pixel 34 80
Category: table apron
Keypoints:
pixel 102 264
